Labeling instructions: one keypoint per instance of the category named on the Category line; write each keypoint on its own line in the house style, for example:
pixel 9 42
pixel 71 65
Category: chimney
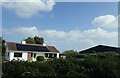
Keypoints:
pixel 23 42
pixel 44 44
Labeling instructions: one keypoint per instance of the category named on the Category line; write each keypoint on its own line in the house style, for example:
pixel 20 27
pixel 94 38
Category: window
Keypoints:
pixel 46 54
pixel 17 54
pixel 8 54
pixel 55 55
pixel 31 54
pixel 50 55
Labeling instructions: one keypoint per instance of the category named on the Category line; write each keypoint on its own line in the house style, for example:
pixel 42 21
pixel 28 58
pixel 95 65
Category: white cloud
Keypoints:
pixel 74 39
pixel 31 31
pixel 24 31
pixel 77 0
pixel 106 21
pixel 28 8
pixel 53 34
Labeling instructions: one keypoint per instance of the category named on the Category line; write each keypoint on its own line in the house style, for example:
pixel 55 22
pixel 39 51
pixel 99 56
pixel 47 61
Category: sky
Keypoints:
pixel 66 25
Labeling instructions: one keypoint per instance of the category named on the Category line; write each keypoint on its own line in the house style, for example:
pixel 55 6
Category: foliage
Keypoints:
pixel 35 40
pixel 39 40
pixel 71 53
pixel 40 58
pixel 3 45
pixel 90 66
pixel 30 40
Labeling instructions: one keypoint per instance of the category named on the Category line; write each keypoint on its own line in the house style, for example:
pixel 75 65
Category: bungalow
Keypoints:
pixel 29 52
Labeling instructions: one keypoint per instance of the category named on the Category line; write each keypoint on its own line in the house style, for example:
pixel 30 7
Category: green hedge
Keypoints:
pixel 88 67
pixel 40 58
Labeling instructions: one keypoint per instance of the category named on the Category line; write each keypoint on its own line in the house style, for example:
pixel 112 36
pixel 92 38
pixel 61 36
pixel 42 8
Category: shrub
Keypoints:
pixel 40 58
pixel 90 67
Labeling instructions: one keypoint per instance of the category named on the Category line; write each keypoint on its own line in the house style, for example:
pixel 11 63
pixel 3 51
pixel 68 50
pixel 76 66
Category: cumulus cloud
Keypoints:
pixel 31 31
pixel 28 8
pixel 74 39
pixel 24 31
pixel 106 21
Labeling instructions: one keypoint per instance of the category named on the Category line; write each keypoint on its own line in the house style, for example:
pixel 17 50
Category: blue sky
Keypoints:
pixel 67 25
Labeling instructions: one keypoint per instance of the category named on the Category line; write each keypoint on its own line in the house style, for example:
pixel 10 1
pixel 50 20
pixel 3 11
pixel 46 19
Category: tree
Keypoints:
pixel 39 40
pixel 35 40
pixel 30 40
pixel 3 46
pixel 71 53
pixel 2 41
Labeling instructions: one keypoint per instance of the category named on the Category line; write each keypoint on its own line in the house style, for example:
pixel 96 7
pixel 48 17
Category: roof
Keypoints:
pixel 101 48
pixel 52 49
pixel 11 46
pixel 30 47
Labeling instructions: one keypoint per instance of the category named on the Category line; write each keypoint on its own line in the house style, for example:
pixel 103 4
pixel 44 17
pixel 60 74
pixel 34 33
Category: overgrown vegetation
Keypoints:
pixel 35 40
pixel 95 65
pixel 40 58
pixel 3 47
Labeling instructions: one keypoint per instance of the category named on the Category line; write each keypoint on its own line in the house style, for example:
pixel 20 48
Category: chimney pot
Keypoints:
pixel 23 42
pixel 44 44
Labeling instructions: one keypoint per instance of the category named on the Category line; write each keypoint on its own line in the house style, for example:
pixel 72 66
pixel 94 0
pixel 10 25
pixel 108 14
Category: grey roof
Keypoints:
pixel 101 48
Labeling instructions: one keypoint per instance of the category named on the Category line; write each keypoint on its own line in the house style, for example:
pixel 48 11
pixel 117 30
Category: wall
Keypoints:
pixel 43 54
pixel 11 56
pixel 25 55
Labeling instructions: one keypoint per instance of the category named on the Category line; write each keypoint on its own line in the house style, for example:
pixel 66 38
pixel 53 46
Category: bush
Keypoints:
pixel 90 67
pixel 71 53
pixel 40 58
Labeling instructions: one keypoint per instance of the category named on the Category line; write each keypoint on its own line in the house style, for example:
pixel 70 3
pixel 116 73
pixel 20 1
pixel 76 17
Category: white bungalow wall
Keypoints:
pixel 24 56
pixel 43 54
pixel 57 55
